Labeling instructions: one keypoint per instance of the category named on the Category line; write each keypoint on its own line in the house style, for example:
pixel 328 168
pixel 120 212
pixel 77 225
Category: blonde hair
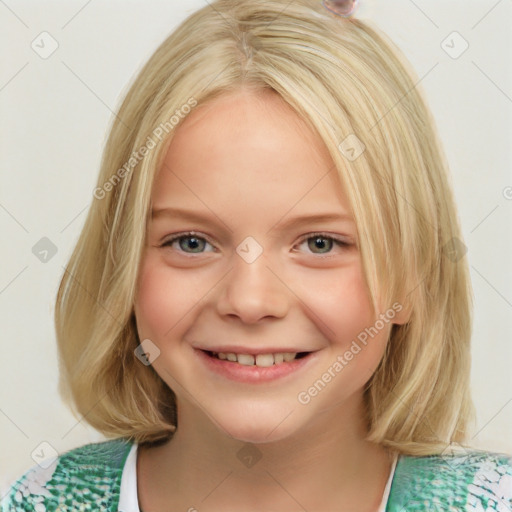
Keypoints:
pixel 344 79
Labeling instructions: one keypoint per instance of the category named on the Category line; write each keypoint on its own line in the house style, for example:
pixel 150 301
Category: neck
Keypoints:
pixel 326 466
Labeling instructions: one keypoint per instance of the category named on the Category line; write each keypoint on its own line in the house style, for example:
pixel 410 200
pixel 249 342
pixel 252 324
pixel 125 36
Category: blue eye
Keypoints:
pixel 192 241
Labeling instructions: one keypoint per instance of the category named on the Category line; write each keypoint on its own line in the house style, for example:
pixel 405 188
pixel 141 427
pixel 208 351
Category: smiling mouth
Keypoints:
pixel 261 360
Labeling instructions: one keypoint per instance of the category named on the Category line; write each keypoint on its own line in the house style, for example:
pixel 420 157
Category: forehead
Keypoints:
pixel 250 146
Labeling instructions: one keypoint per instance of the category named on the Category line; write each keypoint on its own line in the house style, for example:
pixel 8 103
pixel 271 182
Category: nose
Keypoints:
pixel 253 291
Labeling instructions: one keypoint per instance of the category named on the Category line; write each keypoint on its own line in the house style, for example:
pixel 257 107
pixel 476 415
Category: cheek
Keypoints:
pixel 148 305
pixel 344 313
pixel 340 302
pixel 161 301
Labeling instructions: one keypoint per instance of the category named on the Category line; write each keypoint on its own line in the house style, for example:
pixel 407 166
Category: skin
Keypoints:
pixel 249 163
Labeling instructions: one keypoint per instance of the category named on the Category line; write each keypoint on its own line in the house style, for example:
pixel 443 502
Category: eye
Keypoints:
pixel 191 243
pixel 187 241
pixel 323 242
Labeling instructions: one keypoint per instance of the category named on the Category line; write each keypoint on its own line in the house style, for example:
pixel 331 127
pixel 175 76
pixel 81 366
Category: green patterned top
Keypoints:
pixel 88 478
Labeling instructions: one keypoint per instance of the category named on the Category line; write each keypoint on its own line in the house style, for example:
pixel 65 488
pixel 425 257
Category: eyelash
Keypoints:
pixel 191 234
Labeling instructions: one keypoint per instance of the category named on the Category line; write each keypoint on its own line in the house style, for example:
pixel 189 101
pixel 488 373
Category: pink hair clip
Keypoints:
pixel 343 8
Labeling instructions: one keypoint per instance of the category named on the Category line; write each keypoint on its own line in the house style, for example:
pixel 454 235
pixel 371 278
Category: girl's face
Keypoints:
pixel 256 280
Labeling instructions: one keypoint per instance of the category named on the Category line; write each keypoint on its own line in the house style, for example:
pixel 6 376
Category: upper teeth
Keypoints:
pixel 259 360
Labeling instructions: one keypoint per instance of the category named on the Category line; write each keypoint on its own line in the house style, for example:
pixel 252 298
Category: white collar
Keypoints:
pixel 128 499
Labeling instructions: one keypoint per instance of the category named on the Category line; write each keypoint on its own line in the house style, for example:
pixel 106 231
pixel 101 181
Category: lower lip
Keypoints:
pixel 253 374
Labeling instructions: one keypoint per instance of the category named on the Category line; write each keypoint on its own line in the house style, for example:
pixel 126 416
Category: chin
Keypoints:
pixel 258 426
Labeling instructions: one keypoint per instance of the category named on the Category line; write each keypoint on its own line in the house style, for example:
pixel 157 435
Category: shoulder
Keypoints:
pixel 469 481
pixel 90 474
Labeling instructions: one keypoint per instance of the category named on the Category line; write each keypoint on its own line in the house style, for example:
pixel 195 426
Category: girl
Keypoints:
pixel 268 307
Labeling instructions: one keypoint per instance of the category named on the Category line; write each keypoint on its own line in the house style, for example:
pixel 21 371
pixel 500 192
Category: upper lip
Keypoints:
pixel 238 349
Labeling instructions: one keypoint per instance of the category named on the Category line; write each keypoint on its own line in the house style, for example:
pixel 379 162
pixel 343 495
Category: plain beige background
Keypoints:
pixel 55 112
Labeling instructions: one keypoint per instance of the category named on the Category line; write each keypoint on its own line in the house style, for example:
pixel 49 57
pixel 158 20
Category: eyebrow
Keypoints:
pixel 313 218
pixel 290 223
